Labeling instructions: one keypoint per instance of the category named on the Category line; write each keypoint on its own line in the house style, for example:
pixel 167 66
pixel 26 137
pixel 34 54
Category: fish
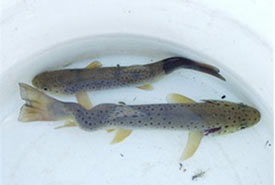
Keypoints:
pixel 95 77
pixel 209 117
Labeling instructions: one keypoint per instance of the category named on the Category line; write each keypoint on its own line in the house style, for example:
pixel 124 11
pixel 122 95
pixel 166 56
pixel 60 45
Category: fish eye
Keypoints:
pixel 45 88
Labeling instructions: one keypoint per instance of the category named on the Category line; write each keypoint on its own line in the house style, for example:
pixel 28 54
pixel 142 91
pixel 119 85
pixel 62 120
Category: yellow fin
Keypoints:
pixel 148 87
pixel 68 124
pixel 95 64
pixel 177 98
pixel 110 130
pixel 84 100
pixel 193 142
pixel 121 135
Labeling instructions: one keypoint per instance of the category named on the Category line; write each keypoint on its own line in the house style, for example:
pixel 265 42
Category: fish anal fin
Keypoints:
pixel 121 135
pixel 110 130
pixel 84 100
pixel 147 87
pixel 193 142
pixel 178 98
pixel 95 64
pixel 68 124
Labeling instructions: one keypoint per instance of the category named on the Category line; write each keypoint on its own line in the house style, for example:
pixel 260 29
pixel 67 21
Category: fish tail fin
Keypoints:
pixel 37 106
pixel 170 64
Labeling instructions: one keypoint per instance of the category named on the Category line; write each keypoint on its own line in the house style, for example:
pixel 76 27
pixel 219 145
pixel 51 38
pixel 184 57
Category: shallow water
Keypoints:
pixel 72 156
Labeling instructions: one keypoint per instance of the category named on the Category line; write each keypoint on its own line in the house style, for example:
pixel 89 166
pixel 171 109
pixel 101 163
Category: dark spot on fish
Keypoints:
pixel 226 126
pixel 139 121
pixel 86 122
pixel 151 123
pixel 243 127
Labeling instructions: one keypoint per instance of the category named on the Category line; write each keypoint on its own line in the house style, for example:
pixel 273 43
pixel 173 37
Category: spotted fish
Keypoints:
pixel 209 117
pixel 95 77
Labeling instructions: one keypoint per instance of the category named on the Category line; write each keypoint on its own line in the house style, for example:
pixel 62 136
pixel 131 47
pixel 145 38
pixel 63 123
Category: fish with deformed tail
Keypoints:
pixel 95 77
pixel 209 117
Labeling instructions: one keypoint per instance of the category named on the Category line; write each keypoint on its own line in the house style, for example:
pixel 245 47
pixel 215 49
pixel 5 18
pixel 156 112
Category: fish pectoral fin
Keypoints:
pixel 84 100
pixel 95 64
pixel 178 98
pixel 121 135
pixel 147 87
pixel 193 142
pixel 110 130
pixel 68 124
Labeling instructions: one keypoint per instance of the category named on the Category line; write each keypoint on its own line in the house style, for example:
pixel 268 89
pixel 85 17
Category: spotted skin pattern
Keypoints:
pixel 210 117
pixel 71 81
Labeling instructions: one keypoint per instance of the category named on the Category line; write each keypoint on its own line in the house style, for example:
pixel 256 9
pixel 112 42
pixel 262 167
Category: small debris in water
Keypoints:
pixel 134 98
pixel 180 166
pixel 121 155
pixel 198 175
pixel 223 96
pixel 267 143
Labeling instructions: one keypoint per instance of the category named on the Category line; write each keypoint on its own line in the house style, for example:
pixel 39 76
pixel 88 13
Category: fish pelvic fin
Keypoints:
pixel 193 142
pixel 173 63
pixel 39 106
pixel 121 135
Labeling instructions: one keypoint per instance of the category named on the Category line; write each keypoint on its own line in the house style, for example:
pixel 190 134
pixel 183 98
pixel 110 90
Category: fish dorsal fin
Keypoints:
pixel 121 134
pixel 178 98
pixel 147 87
pixel 193 142
pixel 95 64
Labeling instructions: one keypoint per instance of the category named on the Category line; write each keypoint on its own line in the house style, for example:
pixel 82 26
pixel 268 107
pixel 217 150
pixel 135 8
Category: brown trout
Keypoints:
pixel 210 117
pixel 72 81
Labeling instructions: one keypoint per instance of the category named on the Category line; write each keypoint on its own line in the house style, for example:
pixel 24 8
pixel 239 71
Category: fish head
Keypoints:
pixel 48 82
pixel 232 117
